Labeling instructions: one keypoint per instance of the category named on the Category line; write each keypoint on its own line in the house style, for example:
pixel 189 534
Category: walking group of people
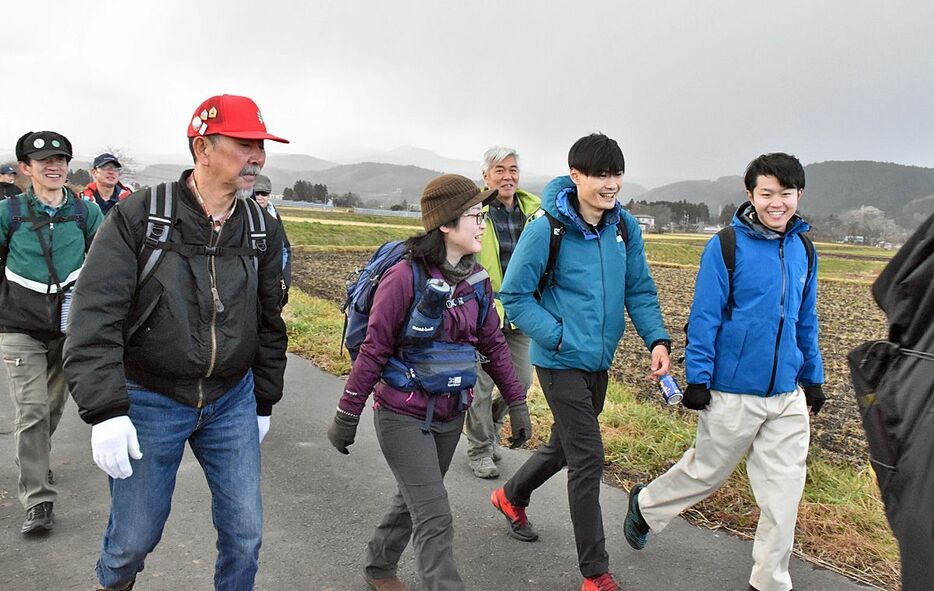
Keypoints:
pixel 161 311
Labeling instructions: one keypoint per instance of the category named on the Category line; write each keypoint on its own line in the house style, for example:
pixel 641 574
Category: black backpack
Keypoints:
pixel 554 246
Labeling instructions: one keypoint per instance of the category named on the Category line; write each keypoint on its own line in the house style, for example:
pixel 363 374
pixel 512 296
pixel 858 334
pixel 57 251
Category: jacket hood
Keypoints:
pixel 746 220
pixel 559 199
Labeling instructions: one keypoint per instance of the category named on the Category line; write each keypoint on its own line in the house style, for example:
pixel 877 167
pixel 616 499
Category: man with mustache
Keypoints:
pixel 177 337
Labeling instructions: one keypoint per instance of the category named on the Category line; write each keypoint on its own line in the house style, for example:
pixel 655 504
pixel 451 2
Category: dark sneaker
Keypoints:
pixel 51 477
pixel 39 519
pixel 519 526
pixel 635 528
pixel 604 582
pixel 392 584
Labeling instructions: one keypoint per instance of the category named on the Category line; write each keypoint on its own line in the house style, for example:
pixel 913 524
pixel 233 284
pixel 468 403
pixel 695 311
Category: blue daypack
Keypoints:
pixel 429 364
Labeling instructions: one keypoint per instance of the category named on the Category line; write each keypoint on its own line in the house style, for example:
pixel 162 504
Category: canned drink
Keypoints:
pixel 671 392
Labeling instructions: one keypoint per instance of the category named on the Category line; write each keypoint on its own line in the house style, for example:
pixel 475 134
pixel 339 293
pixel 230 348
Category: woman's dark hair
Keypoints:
pixel 428 249
pixel 595 154
pixel 784 167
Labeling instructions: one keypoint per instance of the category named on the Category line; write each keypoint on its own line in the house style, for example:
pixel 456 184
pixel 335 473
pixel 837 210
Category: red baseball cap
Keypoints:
pixel 230 115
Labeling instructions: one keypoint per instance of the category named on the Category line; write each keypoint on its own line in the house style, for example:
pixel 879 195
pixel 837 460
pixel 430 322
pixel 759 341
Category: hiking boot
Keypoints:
pixel 604 582
pixel 519 526
pixel 391 584
pixel 635 528
pixel 39 519
pixel 484 468
pixel 127 587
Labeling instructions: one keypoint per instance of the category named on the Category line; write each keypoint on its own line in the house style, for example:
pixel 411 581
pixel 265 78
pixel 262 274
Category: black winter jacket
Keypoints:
pixel 170 335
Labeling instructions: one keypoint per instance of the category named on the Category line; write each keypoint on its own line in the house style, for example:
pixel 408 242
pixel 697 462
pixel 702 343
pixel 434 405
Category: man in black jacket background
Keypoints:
pixel 193 354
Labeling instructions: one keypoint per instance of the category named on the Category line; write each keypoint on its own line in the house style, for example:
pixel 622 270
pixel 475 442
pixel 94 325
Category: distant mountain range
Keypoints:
pixel 832 187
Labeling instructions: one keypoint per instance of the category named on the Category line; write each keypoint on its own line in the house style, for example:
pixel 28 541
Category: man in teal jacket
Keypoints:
pixel 507 216
pixel 44 234
pixel 575 324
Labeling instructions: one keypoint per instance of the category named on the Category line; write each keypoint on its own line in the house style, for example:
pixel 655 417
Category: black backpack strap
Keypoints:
pixel 811 252
pixel 81 216
pixel 16 217
pixel 158 228
pixel 257 222
pixel 45 248
pixel 554 246
pixel 622 230
pixel 728 251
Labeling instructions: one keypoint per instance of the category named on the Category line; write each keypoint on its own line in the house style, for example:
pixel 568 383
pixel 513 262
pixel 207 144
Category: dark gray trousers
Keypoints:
pixel 420 508
pixel 576 400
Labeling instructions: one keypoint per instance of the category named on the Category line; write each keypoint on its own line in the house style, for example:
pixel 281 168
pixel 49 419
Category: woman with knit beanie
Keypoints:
pixel 430 318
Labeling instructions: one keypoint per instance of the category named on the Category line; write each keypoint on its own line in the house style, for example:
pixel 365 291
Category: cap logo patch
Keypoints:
pixel 38 143
pixel 56 144
pixel 204 113
pixel 212 113
pixel 196 123
pixel 260 117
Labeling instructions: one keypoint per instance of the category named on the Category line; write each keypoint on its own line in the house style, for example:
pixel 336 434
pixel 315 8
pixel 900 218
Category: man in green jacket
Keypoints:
pixel 507 215
pixel 44 233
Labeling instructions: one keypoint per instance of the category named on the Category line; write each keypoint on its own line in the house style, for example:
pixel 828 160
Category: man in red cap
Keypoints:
pixel 177 337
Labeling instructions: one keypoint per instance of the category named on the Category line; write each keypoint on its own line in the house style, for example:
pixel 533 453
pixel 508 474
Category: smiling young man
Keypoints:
pixel 45 233
pixel 508 215
pixel 754 371
pixel 576 323
pixel 195 354
pixel 106 190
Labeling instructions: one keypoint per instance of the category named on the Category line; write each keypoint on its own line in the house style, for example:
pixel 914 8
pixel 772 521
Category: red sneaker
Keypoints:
pixel 604 582
pixel 519 526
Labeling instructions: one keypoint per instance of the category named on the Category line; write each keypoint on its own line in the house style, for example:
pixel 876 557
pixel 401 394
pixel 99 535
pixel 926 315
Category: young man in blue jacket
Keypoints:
pixel 754 371
pixel 575 325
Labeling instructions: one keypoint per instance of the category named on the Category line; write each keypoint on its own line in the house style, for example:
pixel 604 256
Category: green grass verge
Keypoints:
pixel 300 212
pixel 841 519
pixel 315 234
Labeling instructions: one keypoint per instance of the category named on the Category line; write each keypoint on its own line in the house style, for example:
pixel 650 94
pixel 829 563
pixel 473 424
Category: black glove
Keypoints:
pixel 696 397
pixel 815 397
pixel 342 431
pixel 521 424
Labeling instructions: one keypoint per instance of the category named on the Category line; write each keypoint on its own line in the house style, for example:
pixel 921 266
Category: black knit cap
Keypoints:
pixel 448 196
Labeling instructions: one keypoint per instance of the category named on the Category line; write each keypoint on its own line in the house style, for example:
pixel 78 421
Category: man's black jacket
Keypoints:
pixel 172 336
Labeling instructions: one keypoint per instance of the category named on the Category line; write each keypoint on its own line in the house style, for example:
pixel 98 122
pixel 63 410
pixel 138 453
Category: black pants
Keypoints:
pixel 576 400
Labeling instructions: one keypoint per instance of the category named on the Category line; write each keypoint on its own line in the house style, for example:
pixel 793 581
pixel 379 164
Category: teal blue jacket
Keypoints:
pixel 596 276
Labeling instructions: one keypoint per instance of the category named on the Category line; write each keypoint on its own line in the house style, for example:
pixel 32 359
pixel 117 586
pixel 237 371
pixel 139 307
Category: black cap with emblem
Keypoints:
pixel 38 145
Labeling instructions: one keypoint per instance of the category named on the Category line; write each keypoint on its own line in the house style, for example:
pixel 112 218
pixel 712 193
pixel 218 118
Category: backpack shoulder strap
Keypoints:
pixel 478 282
pixel 554 246
pixel 257 224
pixel 622 230
pixel 81 216
pixel 728 251
pixel 16 216
pixel 158 229
pixel 811 252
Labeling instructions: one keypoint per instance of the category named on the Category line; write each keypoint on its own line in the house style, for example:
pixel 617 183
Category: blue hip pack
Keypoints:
pixel 421 362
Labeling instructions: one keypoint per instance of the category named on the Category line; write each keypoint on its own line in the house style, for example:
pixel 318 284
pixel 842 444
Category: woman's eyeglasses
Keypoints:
pixel 480 217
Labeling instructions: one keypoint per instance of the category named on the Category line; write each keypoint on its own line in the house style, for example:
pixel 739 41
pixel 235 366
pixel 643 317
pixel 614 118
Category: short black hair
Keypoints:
pixel 785 167
pixel 595 154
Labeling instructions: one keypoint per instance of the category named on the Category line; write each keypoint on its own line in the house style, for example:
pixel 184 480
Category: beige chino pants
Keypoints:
pixel 37 386
pixel 774 434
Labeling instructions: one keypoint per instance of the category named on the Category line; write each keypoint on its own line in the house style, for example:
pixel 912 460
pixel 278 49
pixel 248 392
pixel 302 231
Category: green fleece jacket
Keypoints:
pixel 489 255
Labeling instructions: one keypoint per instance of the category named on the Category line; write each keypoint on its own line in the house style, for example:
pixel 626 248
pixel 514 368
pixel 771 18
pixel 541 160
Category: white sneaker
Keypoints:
pixel 484 468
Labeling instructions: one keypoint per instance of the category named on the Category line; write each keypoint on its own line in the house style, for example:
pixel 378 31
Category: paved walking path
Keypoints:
pixel 321 508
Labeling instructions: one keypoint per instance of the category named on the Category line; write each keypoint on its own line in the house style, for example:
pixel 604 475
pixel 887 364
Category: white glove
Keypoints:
pixel 111 442
pixel 263 424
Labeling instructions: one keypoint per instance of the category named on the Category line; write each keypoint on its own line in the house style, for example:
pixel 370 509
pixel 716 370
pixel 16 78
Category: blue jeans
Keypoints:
pixel 224 438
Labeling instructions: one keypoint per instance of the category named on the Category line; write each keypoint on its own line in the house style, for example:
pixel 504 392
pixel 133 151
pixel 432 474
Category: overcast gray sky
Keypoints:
pixel 690 89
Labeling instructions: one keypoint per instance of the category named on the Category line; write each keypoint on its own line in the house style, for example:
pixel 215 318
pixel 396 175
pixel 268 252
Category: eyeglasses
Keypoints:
pixel 262 194
pixel 480 217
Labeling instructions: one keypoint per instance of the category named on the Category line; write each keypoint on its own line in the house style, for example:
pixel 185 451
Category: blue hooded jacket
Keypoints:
pixel 596 276
pixel 769 345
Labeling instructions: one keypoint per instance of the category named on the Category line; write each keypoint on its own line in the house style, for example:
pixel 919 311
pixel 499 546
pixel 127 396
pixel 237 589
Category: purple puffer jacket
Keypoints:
pixel 391 305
